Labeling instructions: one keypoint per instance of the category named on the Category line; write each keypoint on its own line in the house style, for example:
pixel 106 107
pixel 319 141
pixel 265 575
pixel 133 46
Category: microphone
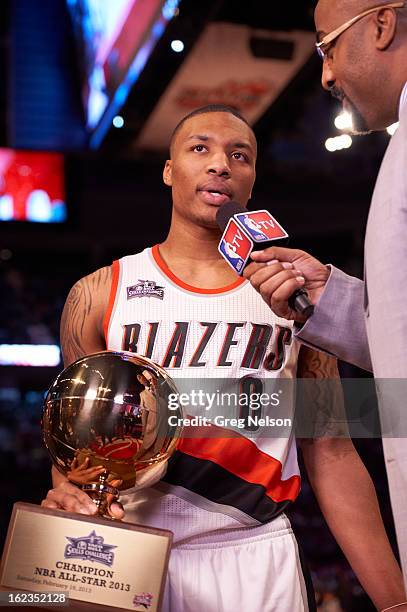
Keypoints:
pixel 246 231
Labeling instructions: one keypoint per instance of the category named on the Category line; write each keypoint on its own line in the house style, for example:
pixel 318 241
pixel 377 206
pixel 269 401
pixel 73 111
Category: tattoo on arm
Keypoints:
pixel 321 404
pixel 72 323
pixel 81 317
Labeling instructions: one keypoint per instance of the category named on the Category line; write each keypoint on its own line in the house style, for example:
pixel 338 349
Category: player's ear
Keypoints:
pixel 167 173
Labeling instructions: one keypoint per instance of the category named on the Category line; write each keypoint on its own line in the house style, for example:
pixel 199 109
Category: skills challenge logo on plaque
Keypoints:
pixel 143 599
pixel 90 548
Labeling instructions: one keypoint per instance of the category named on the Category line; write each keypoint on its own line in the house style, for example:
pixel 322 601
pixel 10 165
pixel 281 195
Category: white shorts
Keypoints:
pixel 255 569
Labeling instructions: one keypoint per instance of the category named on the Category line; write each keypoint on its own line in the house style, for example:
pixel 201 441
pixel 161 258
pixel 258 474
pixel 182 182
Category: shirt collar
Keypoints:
pixel 403 99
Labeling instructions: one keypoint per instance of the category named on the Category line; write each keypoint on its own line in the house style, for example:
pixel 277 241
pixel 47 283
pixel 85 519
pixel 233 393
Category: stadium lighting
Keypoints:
pixel 177 46
pixel 118 121
pixel 344 121
pixel 40 355
pixel 338 143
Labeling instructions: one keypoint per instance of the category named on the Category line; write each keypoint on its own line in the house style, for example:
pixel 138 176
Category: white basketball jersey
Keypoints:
pixel 222 340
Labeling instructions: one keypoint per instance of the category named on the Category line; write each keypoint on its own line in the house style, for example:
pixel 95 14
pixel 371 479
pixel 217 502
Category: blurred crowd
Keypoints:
pixel 30 308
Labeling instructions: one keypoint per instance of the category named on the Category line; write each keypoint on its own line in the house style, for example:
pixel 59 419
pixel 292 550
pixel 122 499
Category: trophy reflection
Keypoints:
pixel 106 423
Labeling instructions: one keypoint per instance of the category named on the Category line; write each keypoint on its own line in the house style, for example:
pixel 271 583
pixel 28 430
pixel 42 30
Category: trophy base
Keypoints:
pixel 93 563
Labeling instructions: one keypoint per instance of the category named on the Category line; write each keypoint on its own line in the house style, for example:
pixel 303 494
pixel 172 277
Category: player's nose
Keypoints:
pixel 219 164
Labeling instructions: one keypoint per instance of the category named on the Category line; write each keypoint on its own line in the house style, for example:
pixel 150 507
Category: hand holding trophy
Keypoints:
pixel 106 426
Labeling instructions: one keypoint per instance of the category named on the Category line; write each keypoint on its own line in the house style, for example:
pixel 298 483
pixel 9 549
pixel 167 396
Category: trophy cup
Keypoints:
pixel 109 409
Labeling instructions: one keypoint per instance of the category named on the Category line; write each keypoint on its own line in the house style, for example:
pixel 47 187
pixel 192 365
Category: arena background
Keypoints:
pixel 260 59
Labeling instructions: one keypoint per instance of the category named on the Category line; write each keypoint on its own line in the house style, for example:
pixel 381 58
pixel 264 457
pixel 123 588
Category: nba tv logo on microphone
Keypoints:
pixel 235 246
pixel 261 226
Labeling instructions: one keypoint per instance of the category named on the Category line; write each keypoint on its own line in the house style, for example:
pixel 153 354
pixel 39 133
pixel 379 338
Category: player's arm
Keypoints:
pixel 342 485
pixel 81 334
pixel 82 317
pixel 81 331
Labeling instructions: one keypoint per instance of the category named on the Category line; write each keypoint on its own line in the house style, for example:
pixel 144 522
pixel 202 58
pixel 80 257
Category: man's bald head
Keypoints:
pixel 351 7
pixel 341 11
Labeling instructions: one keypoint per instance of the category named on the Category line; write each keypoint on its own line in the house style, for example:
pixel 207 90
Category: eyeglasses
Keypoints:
pixel 329 38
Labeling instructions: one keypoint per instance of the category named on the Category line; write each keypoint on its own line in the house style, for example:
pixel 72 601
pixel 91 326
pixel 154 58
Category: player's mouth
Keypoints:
pixel 214 195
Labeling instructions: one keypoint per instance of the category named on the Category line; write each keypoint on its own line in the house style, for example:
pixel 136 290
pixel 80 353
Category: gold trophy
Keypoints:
pixel 109 409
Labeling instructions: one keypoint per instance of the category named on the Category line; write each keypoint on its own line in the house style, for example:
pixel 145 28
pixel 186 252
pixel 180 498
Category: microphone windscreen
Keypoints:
pixel 227 211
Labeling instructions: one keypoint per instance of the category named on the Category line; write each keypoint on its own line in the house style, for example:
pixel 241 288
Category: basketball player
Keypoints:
pixel 180 304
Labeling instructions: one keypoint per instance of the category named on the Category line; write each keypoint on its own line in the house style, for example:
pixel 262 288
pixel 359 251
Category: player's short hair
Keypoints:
pixel 209 108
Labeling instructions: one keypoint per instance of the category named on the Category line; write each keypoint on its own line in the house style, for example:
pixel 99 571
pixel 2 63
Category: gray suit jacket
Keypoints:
pixel 365 323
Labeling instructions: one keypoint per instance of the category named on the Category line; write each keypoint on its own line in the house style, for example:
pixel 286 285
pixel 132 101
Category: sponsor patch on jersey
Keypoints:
pixel 261 226
pixel 145 288
pixel 235 246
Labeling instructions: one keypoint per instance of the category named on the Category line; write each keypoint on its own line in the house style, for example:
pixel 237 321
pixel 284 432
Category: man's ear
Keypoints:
pixel 167 173
pixel 386 26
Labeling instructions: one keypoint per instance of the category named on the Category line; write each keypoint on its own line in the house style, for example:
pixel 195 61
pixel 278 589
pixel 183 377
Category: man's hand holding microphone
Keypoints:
pixel 277 273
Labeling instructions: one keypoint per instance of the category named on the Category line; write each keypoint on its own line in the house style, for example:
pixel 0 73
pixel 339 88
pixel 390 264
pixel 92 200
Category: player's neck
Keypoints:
pixel 194 243
pixel 194 258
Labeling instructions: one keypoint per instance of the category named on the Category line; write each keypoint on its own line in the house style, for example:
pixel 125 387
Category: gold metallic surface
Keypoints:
pixel 110 408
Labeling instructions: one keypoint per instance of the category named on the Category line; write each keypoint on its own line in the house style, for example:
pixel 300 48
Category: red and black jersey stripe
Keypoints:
pixel 233 471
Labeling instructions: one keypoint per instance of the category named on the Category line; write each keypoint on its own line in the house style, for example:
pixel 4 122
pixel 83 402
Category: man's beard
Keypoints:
pixel 359 125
